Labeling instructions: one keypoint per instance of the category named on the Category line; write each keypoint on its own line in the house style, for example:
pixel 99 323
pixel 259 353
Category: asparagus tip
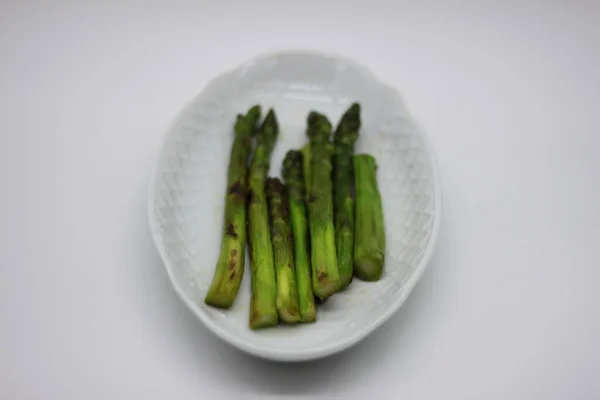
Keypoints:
pixel 269 128
pixel 254 112
pixel 348 126
pixel 319 126
pixel 291 163
pixel 246 124
pixel 367 158
pixel 270 118
pixel 354 109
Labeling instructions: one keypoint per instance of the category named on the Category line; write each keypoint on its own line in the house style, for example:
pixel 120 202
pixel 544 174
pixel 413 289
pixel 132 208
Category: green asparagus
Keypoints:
pixel 325 274
pixel 230 265
pixel 263 312
pixel 283 252
pixel 344 138
pixel 293 177
pixel 369 247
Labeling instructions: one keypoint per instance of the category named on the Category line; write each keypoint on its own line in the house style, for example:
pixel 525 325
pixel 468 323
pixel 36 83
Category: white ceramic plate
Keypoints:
pixel 187 195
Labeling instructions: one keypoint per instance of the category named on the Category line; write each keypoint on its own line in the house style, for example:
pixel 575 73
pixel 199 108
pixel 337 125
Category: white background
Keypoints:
pixel 509 93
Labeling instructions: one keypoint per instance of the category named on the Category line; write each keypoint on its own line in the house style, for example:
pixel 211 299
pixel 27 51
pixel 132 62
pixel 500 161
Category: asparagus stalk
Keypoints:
pixel 344 138
pixel 263 312
pixel 369 248
pixel 283 250
pixel 230 265
pixel 293 177
pixel 326 278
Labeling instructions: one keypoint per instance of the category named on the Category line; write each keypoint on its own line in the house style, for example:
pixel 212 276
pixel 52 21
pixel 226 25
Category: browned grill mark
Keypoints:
pixel 312 198
pixel 232 260
pixel 230 231
pixel 322 276
pixel 237 189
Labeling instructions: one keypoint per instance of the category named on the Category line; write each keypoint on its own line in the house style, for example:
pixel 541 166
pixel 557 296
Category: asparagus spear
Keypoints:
pixel 283 250
pixel 293 177
pixel 306 169
pixel 369 248
pixel 326 278
pixel 230 265
pixel 262 304
pixel 344 138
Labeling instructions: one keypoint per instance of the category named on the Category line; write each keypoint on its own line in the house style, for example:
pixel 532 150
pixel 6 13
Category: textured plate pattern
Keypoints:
pixel 186 197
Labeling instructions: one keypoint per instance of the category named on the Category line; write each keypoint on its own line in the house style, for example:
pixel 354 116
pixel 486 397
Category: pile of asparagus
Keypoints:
pixel 307 237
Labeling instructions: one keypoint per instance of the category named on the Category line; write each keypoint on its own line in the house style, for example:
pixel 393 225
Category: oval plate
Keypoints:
pixel 187 195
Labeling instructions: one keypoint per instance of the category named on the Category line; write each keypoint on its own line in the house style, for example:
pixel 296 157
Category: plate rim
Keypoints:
pixel 337 346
